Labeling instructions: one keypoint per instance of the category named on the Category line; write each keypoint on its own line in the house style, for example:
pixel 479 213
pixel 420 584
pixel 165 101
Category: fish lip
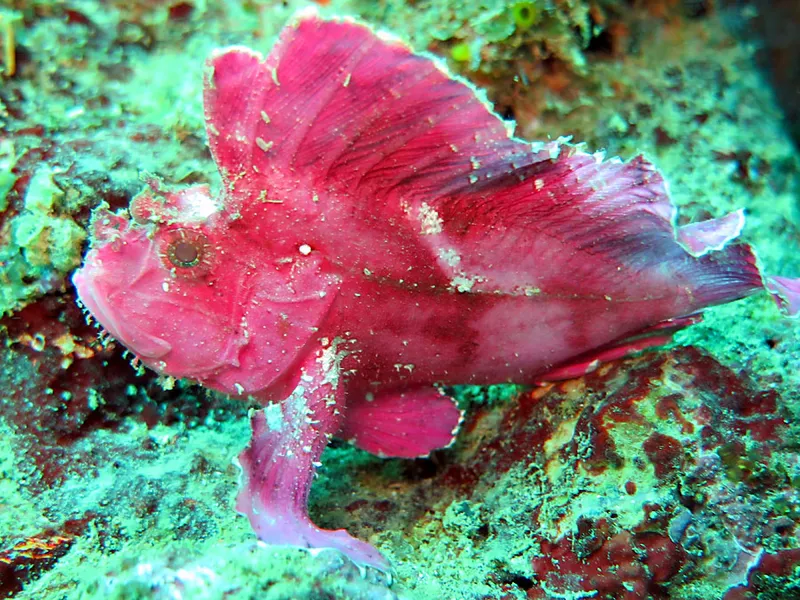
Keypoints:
pixel 148 346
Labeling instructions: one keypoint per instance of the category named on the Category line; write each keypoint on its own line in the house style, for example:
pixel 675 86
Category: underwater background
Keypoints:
pixel 671 474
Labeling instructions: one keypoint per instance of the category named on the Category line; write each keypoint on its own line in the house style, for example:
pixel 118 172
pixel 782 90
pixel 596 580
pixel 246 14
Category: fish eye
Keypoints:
pixel 186 252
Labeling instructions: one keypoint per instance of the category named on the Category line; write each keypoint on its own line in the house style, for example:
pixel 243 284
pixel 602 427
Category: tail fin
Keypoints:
pixel 786 293
pixel 731 273
pixel 723 276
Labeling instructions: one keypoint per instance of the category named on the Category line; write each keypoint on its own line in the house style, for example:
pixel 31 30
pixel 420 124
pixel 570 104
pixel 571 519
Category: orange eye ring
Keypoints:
pixel 186 252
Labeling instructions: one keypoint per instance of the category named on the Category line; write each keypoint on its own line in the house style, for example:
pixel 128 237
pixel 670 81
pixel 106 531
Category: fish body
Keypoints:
pixel 380 233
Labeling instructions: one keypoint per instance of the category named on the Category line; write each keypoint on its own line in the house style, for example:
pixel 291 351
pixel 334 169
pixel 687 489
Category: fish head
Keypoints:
pixel 181 289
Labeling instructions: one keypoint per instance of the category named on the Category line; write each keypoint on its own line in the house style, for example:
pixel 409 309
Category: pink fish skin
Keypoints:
pixel 378 232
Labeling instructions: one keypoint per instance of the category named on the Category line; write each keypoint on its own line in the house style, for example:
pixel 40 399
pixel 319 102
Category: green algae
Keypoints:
pixel 461 52
pixel 494 25
pixel 526 14
pixel 170 490
pixel 236 572
pixel 21 516
pixel 44 244
pixel 7 180
pixel 490 395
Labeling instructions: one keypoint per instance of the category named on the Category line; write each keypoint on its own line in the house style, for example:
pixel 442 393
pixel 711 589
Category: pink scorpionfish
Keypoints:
pixel 380 233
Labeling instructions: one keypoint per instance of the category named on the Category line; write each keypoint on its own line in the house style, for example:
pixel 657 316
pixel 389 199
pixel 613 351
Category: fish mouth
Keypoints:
pixel 144 345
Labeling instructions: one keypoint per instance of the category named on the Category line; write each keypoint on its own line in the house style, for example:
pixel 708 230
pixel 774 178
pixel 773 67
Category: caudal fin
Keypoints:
pixel 720 272
pixel 723 276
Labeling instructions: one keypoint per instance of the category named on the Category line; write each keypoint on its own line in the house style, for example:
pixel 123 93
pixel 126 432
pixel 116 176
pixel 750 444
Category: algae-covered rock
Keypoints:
pixel 493 32
pixel 247 571
pixel 672 475
pixel 42 244
pixel 7 180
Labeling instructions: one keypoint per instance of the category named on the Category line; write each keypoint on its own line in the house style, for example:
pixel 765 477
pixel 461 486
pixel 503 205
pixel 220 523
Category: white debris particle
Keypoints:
pixel 464 283
pixel 275 77
pixel 331 360
pixel 538 184
pixel 262 196
pixel 347 80
pixel 473 178
pixel 197 205
pixel 367 272
pixel 265 117
pixel 273 413
pixel 449 256
pixel 165 286
pixel 296 403
pixel 314 197
pixel 239 388
pixel 304 249
pixel 265 146
pixel 429 219
pixel 476 164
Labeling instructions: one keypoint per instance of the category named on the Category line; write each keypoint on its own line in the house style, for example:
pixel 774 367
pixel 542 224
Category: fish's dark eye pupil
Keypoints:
pixel 185 254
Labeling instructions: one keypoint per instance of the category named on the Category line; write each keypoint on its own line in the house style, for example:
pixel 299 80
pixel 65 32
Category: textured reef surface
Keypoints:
pixel 673 474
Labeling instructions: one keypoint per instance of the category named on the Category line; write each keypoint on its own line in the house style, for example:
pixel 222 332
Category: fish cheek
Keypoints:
pixel 168 333
pixel 276 328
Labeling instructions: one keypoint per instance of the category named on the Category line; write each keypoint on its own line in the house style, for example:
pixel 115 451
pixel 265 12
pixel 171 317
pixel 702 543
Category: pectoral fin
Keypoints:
pixel 278 466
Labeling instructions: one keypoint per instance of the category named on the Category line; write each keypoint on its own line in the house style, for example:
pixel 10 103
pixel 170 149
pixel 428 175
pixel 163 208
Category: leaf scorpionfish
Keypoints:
pixel 380 233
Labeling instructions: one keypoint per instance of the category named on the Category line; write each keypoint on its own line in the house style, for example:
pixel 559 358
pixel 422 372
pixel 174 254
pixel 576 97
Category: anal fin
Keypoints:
pixel 656 335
